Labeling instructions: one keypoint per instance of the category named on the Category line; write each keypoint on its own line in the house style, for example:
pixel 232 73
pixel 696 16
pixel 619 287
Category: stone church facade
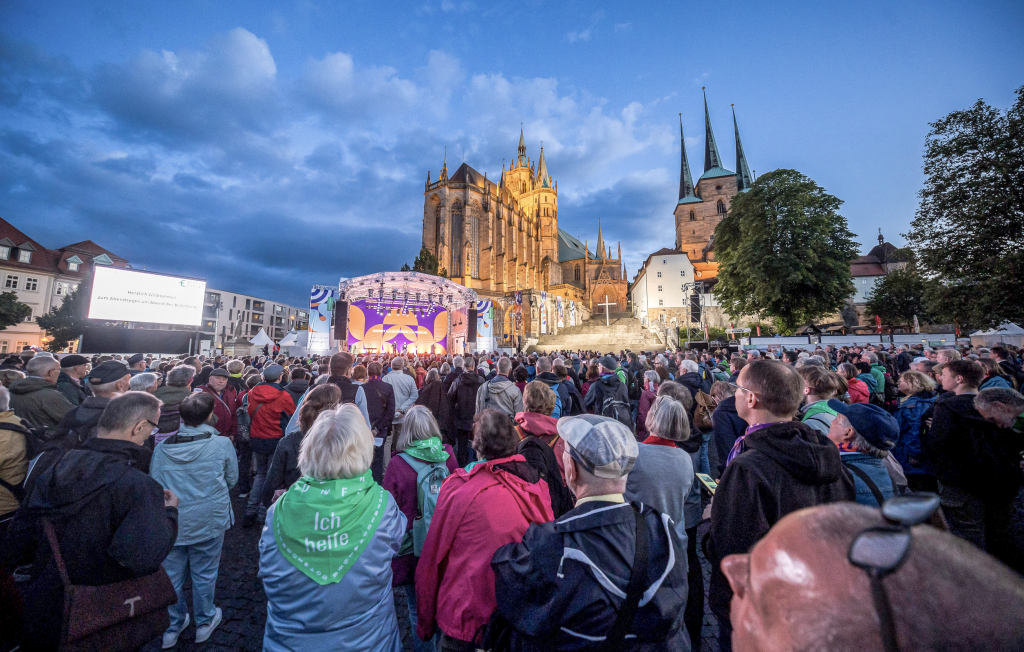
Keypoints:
pixel 499 238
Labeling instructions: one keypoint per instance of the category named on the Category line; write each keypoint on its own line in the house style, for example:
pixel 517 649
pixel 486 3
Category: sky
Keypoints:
pixel 270 146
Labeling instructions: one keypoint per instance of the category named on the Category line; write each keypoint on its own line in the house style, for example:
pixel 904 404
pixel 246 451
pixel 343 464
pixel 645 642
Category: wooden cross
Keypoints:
pixel 606 304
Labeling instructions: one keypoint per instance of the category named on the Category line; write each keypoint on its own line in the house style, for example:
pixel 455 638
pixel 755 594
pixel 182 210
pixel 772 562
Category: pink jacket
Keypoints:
pixel 477 513
pixel 859 392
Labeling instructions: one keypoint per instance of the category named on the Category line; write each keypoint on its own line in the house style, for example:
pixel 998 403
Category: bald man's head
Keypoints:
pixel 796 590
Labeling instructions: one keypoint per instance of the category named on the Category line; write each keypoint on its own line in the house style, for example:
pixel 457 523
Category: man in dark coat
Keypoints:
pixel 107 380
pixel 563 586
pixel 727 427
pixel 113 521
pixel 35 398
pixel 782 466
pixel 73 368
pixel 434 397
pixel 226 402
pixel 549 378
pixel 458 368
pixel 607 395
pixel 380 405
pixel 462 397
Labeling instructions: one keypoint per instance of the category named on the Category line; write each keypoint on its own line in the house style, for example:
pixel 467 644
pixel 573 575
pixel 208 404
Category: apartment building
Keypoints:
pixel 230 319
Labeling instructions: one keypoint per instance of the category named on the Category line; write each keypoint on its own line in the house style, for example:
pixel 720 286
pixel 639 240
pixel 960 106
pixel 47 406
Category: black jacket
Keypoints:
pixel 297 388
pixel 462 395
pixel 450 378
pixel 783 468
pixel 968 452
pixel 554 600
pixel 111 523
pixel 433 397
pixel 71 390
pixel 605 387
pixel 691 381
pixel 81 423
pixel 728 426
pixel 380 405
pixel 284 467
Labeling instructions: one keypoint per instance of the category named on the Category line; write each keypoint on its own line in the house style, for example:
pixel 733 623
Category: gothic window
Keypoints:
pixel 474 246
pixel 721 207
pixel 576 273
pixel 693 216
pixel 457 239
pixel 438 230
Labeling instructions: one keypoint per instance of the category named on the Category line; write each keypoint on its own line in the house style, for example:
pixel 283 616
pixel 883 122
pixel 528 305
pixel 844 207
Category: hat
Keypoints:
pixel 272 371
pixel 136 359
pixel 107 372
pixel 609 363
pixel 602 446
pixel 221 372
pixel 921 359
pixel 73 360
pixel 871 422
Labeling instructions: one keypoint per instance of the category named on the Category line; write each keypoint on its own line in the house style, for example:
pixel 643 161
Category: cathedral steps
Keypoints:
pixel 622 332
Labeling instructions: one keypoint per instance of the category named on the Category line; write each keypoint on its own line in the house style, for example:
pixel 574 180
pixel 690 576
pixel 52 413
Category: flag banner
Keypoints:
pixel 560 313
pixel 321 309
pixel 572 313
pixel 518 311
pixel 485 325
pixel 543 312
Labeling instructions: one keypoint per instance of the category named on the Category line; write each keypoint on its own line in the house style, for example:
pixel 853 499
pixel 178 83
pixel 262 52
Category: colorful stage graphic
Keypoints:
pixel 393 332
pixel 321 309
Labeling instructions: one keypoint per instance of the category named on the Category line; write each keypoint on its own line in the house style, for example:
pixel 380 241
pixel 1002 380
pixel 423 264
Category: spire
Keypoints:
pixel 881 239
pixel 743 177
pixel 600 240
pixel 712 159
pixel 685 180
pixel 443 176
pixel 543 179
pixel 501 181
pixel 522 147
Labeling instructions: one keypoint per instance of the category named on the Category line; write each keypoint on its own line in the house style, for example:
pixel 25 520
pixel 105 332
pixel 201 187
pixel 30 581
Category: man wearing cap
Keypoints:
pixel 865 434
pixel 269 408
pixel 73 369
pixel 566 583
pixel 106 381
pixel 136 364
pixel 226 402
pixel 607 395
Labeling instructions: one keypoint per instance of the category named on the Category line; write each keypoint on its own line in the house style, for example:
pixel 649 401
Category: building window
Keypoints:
pixel 29 318
pixel 664 261
pixel 576 273
pixel 24 256
pixel 693 216
pixel 682 273
pixel 248 304
pixel 659 274
pixel 721 207
pixel 659 288
pixel 3 346
pixel 22 346
pixel 72 267
pixel 31 284
pixel 11 283
pixel 5 254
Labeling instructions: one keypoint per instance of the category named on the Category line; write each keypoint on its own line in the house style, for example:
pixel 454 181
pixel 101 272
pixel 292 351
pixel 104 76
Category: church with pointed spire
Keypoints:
pixel 502 237
pixel 702 206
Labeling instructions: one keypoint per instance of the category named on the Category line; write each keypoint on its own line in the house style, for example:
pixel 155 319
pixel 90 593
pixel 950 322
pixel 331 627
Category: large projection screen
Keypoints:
pixel 129 295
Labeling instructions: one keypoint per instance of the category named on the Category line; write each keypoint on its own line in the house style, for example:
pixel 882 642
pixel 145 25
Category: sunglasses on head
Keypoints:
pixel 881 550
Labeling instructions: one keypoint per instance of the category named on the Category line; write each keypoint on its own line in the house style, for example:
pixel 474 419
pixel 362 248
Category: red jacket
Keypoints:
pixel 545 427
pixel 270 408
pixel 477 513
pixel 859 392
pixel 225 406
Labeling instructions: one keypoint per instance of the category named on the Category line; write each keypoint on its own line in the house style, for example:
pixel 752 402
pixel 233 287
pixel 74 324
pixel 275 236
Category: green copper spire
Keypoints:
pixel 743 177
pixel 712 159
pixel 685 180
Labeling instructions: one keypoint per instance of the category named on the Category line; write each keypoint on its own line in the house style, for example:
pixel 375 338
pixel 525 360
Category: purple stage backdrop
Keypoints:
pixel 396 332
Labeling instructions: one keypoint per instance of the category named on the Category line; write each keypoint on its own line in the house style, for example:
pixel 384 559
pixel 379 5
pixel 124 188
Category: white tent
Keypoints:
pixel 291 339
pixel 261 339
pixel 1007 333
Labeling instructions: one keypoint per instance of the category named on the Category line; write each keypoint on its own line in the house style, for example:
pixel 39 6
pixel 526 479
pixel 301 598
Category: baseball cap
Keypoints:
pixel 73 360
pixel 871 422
pixel 272 371
pixel 602 446
pixel 107 372
pixel 609 363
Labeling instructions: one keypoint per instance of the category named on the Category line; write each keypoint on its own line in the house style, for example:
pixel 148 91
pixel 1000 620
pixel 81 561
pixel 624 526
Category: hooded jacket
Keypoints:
pixel 781 468
pixel 225 408
pixel 80 423
pixel 608 386
pixel 462 396
pixel 170 419
pixel 477 512
pixel 200 472
pixel 433 397
pixel 297 388
pixel 270 407
pixel 555 383
pixel 111 524
pixel 499 393
pixel 73 391
pixel 13 464
pixel 968 452
pixel 545 428
pixel 727 427
pixel 37 401
pixel 859 391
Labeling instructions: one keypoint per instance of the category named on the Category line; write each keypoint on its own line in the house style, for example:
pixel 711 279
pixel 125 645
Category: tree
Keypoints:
pixel 64 323
pixel 969 229
pixel 426 263
pixel 899 296
pixel 784 252
pixel 12 311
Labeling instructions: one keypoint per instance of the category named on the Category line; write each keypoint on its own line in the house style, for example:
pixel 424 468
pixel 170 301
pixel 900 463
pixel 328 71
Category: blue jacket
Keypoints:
pixel 910 415
pixel 200 472
pixel 356 613
pixel 875 469
pixel 996 381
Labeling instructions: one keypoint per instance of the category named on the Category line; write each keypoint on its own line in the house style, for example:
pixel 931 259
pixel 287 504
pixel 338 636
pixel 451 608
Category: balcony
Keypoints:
pixel 256 319
pixel 257 305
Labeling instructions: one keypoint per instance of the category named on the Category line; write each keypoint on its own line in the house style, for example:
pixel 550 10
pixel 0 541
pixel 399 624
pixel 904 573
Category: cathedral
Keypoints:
pixel 502 239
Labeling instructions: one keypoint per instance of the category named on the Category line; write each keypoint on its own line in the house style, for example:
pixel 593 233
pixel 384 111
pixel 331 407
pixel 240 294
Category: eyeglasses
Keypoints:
pixel 156 427
pixel 738 386
pixel 881 550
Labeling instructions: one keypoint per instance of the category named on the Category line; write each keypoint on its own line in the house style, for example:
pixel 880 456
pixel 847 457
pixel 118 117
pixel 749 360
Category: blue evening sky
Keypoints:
pixel 267 146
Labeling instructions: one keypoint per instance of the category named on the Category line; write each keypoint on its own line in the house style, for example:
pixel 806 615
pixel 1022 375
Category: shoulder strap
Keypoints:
pixel 51 536
pixel 635 588
pixel 15 428
pixel 859 472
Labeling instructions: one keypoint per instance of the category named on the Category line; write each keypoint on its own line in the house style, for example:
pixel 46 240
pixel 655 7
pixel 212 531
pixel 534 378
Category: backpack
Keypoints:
pixel 533 447
pixel 243 419
pixel 35 444
pixel 620 411
pixel 557 412
pixel 702 414
pixel 633 386
pixel 429 477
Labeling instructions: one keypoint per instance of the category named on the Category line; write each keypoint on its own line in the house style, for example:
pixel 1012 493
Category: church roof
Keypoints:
pixel 690 200
pixel 569 248
pixel 743 177
pixel 712 159
pixel 466 174
pixel 685 180
pixel 716 172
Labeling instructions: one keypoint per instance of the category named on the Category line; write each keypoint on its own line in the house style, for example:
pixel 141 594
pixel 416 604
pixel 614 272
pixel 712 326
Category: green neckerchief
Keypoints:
pixel 818 407
pixel 1018 424
pixel 238 375
pixel 428 450
pixel 322 527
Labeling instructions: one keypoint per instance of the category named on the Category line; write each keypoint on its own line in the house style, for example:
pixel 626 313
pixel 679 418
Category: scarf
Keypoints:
pixel 428 450
pixel 737 447
pixel 322 527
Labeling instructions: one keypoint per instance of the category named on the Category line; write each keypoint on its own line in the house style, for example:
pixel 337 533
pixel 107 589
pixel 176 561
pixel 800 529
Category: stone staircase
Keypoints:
pixel 623 332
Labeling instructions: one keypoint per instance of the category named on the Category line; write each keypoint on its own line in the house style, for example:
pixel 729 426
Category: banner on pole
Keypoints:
pixel 560 312
pixel 543 312
pixel 485 325
pixel 321 308
pixel 572 313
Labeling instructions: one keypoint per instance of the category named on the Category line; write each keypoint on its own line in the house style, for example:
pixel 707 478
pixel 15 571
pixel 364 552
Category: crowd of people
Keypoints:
pixel 519 502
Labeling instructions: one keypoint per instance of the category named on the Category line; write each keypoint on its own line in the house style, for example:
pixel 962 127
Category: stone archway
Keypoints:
pixel 598 297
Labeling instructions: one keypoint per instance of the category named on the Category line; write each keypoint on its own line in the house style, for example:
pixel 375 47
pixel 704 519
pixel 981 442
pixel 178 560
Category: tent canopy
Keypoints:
pixel 261 339
pixel 291 339
pixel 1006 328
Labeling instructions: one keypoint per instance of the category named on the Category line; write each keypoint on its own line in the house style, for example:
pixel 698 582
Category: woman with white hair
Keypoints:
pixel 326 550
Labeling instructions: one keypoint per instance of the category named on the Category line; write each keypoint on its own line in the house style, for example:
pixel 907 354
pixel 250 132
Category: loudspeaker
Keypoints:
pixel 471 327
pixel 341 321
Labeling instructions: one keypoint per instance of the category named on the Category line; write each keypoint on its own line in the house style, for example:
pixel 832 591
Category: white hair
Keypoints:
pixel 419 423
pixel 181 375
pixel 338 445
pixel 458 361
pixel 40 365
pixel 142 382
pixel 504 366
pixel 690 365
pixel 398 363
pixel 5 399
